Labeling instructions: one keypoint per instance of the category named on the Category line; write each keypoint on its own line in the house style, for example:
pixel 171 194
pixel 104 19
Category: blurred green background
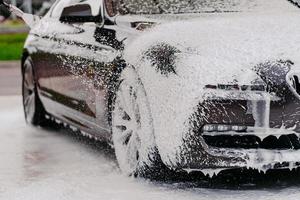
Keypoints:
pixel 13 31
pixel 12 40
pixel 11 45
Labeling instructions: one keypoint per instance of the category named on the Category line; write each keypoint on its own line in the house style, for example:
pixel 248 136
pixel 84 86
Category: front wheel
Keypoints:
pixel 132 128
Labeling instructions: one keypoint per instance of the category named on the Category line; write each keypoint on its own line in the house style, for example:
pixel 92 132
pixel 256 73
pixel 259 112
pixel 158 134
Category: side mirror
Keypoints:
pixel 79 13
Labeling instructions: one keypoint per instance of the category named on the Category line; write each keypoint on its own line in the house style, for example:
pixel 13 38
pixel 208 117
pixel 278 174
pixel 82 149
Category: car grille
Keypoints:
pixel 290 141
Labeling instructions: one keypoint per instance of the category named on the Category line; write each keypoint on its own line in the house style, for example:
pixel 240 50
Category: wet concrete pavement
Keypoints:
pixel 10 78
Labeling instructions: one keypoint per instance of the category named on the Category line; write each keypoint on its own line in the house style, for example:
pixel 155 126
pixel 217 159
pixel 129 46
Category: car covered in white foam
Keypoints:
pixel 173 85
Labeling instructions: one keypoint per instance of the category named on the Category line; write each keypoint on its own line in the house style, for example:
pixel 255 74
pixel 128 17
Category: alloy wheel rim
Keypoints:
pixel 126 127
pixel 28 91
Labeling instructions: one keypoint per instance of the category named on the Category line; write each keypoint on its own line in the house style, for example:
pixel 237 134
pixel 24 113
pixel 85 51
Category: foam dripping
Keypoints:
pixel 206 172
pixel 261 114
pixel 267 103
pixel 261 111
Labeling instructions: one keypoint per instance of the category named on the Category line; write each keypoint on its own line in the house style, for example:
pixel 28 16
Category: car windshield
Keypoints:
pixel 202 6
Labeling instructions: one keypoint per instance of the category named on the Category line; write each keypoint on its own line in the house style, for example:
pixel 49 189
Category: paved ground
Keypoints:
pixel 10 78
pixel 40 164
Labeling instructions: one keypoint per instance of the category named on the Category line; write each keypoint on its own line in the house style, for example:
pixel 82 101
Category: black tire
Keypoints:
pixel 34 111
pixel 133 132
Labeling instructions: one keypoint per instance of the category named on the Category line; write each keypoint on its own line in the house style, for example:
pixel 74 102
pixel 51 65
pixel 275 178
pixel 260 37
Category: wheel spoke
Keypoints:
pixel 132 149
pixel 26 92
pixel 26 105
pixel 125 136
pixel 27 110
pixel 28 78
pixel 26 84
pixel 31 100
pixel 27 99
pixel 29 104
pixel 120 121
pixel 137 115
pixel 126 101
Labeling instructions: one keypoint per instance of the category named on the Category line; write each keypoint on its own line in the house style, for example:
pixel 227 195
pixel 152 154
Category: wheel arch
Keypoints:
pixel 113 84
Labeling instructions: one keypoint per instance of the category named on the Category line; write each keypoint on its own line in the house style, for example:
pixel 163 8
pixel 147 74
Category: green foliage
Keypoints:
pixel 11 46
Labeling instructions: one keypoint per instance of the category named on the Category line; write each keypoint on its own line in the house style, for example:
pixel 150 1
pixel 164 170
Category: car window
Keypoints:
pixel 58 8
pixel 60 5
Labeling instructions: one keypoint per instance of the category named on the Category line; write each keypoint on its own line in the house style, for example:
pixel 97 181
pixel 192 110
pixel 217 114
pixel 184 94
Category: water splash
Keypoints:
pixel 29 19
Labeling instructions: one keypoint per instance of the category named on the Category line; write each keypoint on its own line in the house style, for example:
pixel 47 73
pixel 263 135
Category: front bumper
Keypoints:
pixel 260 159
pixel 265 144
pixel 217 159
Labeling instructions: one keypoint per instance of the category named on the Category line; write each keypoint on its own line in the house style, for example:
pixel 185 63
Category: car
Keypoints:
pixel 172 85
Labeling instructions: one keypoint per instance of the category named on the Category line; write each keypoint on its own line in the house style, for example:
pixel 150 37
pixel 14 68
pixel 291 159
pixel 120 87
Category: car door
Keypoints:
pixel 50 49
pixel 80 60
pixel 43 49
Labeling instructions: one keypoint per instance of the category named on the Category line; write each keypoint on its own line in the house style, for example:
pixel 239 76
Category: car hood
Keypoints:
pixel 226 47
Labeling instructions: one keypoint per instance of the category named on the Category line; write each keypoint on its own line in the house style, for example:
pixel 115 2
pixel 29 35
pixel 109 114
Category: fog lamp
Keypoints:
pixel 222 128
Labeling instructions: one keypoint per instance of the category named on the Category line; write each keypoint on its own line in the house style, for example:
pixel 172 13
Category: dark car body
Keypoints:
pixel 69 81
pixel 77 67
